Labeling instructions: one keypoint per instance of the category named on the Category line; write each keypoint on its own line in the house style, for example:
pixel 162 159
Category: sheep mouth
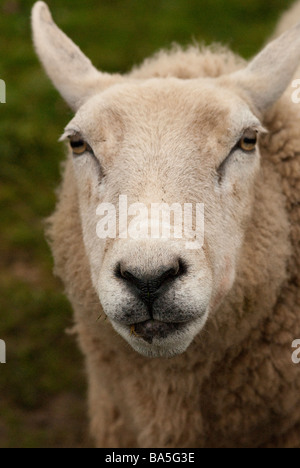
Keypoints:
pixel 150 329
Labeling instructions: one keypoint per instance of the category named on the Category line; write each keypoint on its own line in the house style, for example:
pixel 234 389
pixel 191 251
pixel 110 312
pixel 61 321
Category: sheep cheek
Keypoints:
pixel 226 283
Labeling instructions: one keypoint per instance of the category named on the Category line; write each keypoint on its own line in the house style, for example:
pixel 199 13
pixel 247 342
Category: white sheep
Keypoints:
pixel 193 126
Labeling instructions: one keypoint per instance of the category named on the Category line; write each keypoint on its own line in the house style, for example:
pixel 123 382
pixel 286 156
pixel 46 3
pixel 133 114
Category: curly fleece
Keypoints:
pixel 236 385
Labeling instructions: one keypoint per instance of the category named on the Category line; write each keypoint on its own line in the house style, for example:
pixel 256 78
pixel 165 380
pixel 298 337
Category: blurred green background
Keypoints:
pixel 42 386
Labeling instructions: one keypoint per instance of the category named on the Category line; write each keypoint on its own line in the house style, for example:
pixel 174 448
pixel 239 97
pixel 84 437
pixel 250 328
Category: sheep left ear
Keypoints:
pixel 71 72
pixel 268 75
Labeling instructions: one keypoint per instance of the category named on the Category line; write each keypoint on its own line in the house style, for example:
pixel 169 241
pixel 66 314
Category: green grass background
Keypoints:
pixel 42 386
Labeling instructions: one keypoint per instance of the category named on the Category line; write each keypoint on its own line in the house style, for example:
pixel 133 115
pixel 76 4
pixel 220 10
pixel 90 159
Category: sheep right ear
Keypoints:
pixel 71 72
pixel 268 75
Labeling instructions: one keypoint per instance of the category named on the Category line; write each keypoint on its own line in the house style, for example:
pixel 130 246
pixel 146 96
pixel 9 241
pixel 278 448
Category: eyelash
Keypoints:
pixel 221 168
pixel 85 148
pixel 79 147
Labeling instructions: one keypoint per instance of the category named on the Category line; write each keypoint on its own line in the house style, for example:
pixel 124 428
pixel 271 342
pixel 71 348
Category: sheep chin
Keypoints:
pixel 175 343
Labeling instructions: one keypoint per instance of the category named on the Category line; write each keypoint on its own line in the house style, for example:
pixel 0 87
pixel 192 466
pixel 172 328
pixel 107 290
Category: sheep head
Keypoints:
pixel 173 144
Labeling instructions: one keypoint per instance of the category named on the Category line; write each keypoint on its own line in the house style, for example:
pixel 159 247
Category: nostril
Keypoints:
pixel 120 272
pixel 167 276
pixel 179 269
pixel 127 275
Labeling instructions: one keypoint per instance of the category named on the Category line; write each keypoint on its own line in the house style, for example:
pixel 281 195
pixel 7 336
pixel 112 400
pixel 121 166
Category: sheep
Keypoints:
pixel 183 347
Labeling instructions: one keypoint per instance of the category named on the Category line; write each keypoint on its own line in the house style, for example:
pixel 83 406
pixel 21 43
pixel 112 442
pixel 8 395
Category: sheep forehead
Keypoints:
pixel 197 111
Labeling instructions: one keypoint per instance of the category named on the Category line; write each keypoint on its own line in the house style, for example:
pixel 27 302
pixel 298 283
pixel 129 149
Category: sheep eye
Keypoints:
pixel 248 141
pixel 79 146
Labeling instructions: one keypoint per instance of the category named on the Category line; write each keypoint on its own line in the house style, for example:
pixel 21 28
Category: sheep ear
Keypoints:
pixel 268 75
pixel 71 72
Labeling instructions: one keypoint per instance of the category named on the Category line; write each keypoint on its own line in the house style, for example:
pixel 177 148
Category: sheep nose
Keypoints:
pixel 148 285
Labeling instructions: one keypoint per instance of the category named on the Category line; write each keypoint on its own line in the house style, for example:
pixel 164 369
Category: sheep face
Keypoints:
pixel 171 141
pixel 163 142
